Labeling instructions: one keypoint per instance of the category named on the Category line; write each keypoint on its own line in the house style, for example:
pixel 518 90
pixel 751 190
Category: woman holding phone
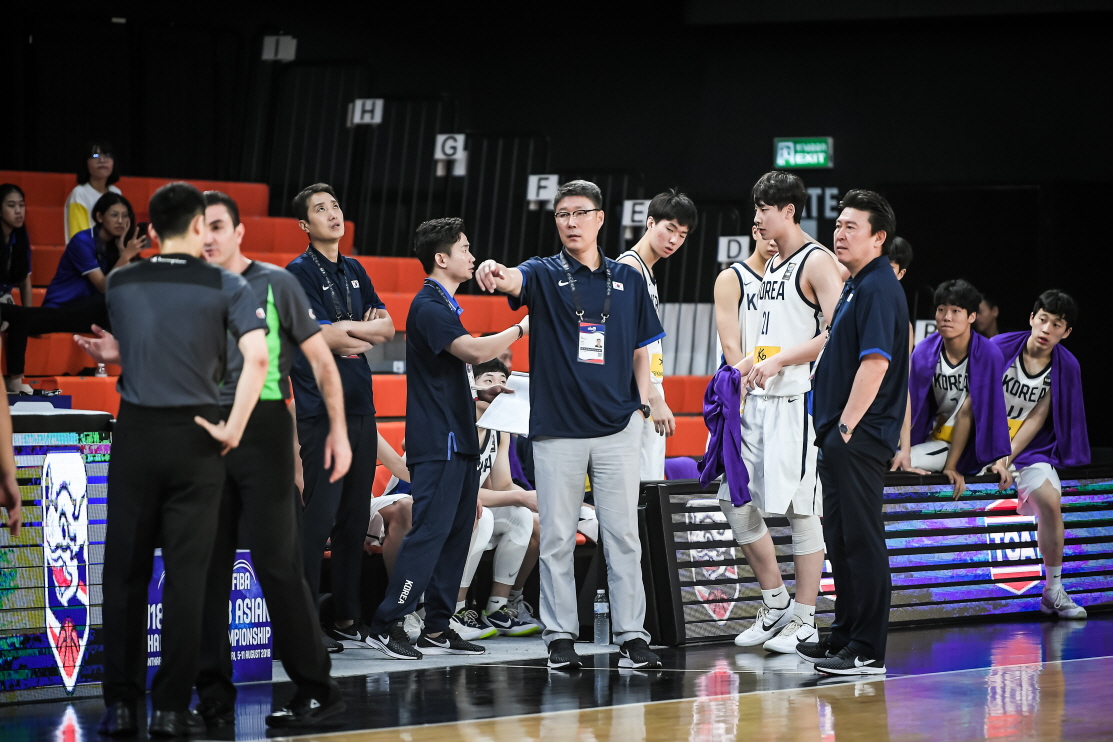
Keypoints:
pixel 75 298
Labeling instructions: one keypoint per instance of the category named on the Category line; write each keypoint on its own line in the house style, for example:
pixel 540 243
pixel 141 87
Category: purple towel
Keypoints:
pixel 989 440
pixel 721 404
pixel 1063 440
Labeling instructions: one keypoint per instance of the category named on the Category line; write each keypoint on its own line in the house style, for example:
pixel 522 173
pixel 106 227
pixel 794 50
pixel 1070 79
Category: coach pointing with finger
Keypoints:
pixel 590 322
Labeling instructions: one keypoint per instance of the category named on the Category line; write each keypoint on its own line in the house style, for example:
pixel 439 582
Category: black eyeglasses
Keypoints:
pixel 564 216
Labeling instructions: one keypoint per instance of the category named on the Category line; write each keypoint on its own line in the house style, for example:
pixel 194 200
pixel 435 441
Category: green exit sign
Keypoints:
pixel 803 152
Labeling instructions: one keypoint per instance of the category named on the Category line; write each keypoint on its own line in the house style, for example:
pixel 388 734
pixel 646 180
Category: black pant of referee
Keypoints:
pixel 259 496
pixel 853 476
pixel 340 510
pixel 165 469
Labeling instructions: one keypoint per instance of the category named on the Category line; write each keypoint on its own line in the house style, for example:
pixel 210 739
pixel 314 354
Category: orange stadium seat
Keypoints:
pixel 44 263
pixel 690 438
pixel 42 189
pixel 393 433
pixel 390 395
pixel 55 354
pixel 88 392
pixel 477 313
pixel 521 354
pixel 44 225
pixel 37 296
pixel 382 479
pixel 684 394
pixel 399 307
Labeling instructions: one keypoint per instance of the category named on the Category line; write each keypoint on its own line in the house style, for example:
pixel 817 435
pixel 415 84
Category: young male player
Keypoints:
pixel 352 319
pixel 986 322
pixel 955 393
pixel 1047 422
pixel 736 291
pixel 442 449
pixel 671 217
pixel 799 288
pixel 508 524
pixel 171 315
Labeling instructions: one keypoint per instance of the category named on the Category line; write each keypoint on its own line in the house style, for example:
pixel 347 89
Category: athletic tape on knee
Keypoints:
pixel 746 522
pixel 807 534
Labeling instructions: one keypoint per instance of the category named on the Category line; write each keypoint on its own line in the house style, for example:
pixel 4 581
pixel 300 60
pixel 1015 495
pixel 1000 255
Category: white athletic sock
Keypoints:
pixel 515 595
pixel 461 605
pixel 1054 577
pixel 777 599
pixel 494 604
pixel 806 613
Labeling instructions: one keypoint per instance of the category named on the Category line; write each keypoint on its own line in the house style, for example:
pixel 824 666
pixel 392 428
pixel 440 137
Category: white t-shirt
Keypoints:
pixel 78 214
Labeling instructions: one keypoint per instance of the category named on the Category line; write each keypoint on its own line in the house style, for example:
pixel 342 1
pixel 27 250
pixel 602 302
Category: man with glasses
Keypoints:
pixel 590 322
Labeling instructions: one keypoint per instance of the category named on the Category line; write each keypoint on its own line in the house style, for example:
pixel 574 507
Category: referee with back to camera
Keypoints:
pixel 860 394
pixel 171 316
pixel 259 493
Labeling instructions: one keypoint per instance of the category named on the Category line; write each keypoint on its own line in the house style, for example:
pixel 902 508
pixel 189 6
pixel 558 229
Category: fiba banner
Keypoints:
pixel 249 630
pixel 949 559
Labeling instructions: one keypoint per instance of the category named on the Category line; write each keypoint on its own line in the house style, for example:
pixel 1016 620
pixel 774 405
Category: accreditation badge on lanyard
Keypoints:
pixel 593 341
pixel 592 338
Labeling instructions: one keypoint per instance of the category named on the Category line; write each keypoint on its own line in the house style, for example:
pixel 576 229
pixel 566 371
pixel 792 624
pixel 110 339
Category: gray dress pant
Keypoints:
pixel 560 466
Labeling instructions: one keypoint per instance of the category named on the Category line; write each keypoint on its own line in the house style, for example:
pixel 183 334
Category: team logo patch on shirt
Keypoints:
pixel 260 313
pixel 617 286
pixel 355 284
pixel 788 271
pixel 311 315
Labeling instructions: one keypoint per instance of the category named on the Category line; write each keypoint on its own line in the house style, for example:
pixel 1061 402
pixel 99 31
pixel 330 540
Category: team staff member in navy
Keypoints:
pixel 171 315
pixel 352 319
pixel 591 320
pixel 860 393
pixel 442 448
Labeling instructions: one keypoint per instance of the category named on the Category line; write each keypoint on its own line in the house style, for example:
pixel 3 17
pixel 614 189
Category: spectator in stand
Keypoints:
pixel 15 248
pixel 94 179
pixel 75 298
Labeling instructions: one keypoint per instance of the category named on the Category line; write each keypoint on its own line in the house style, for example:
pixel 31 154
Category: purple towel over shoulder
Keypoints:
pixel 721 404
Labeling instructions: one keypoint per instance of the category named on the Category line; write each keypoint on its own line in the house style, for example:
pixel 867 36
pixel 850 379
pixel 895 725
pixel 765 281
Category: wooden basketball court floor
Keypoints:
pixel 1016 680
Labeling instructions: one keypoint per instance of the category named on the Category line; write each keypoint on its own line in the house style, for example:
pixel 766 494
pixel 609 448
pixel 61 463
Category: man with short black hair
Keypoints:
pixel 900 256
pixel 1047 422
pixel 171 315
pixel 986 322
pixel 671 216
pixel 352 319
pixel 859 401
pixel 737 319
pixel 590 322
pixel 442 449
pixel 958 424
pixel 799 289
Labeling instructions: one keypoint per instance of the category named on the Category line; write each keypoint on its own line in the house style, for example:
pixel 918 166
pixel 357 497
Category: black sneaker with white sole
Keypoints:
pixel 447 642
pixel 636 654
pixel 849 662
pixel 306 712
pixel 354 636
pixel 818 650
pixel 562 655
pixel 394 644
pixel 331 645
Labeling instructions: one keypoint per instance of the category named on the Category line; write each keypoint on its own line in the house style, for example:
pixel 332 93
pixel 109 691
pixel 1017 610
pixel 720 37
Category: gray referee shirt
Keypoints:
pixel 171 316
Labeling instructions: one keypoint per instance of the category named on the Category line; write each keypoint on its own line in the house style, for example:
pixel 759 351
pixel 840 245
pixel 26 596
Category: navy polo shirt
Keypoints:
pixel 871 317
pixel 345 275
pixel 568 398
pixel 440 409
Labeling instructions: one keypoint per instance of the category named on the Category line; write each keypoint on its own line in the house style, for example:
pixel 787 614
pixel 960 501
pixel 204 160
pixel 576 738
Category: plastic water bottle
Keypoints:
pixel 101 370
pixel 602 618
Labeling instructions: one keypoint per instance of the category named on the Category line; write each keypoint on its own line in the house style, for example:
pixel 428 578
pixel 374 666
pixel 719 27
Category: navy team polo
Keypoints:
pixel 568 398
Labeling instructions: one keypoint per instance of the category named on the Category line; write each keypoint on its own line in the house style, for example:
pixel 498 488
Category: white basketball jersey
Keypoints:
pixel 748 316
pixel 487 458
pixel 656 348
pixel 949 385
pixel 1023 391
pixel 786 319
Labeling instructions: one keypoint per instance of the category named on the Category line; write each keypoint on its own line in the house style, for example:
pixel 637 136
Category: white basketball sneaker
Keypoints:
pixel 1057 602
pixel 794 632
pixel 768 624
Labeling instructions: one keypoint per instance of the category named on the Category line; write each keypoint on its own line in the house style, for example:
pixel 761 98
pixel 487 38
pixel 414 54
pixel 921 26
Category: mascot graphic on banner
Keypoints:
pixel 66 560
pixel 718 599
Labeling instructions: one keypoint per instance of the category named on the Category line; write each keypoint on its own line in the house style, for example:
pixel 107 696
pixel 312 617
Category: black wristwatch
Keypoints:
pixel 645 410
pixel 845 430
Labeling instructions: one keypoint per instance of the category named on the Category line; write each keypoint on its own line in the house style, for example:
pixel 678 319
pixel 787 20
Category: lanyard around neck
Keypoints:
pixel 333 289
pixel 440 289
pixel 576 294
